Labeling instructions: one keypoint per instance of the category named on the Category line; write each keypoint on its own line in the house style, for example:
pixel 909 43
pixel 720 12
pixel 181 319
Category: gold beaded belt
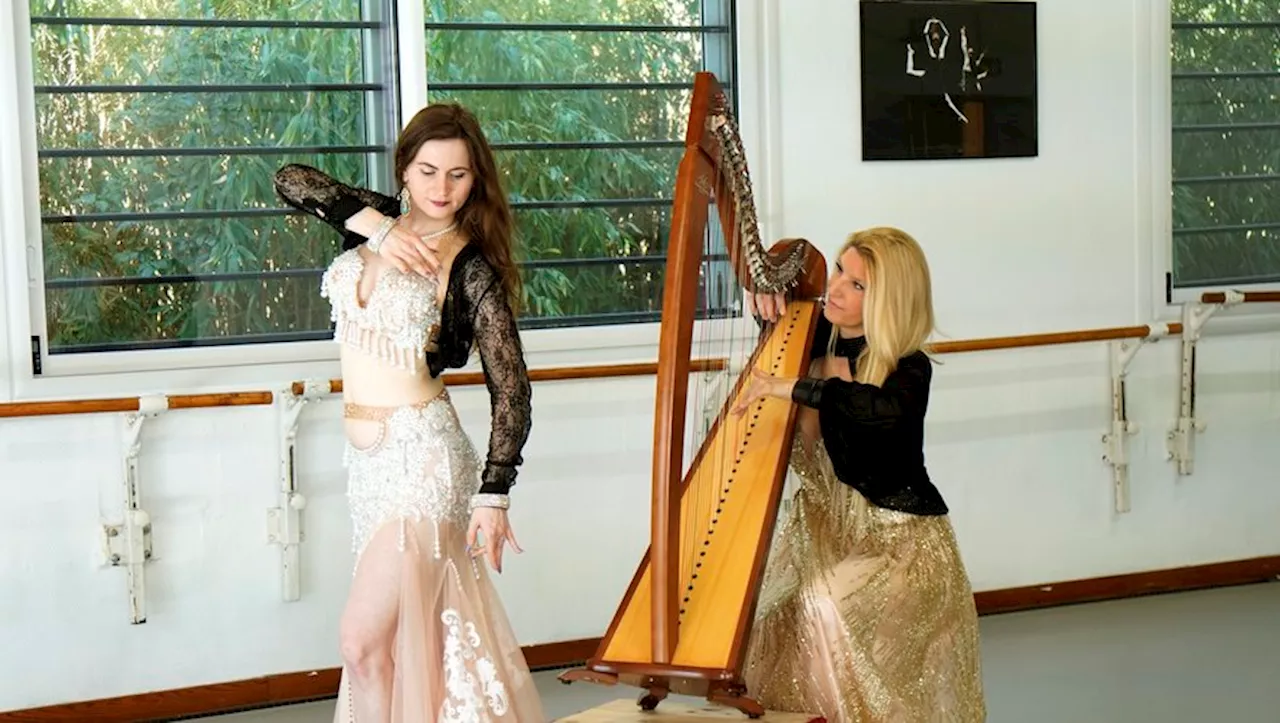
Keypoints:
pixel 381 414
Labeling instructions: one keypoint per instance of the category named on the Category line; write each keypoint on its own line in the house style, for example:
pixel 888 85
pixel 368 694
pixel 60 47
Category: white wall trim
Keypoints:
pixel 757 47
pixel 10 217
pixel 1149 281
pixel 412 40
pixel 19 223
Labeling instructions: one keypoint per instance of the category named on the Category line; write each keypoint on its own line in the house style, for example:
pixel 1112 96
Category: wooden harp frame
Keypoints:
pixel 685 622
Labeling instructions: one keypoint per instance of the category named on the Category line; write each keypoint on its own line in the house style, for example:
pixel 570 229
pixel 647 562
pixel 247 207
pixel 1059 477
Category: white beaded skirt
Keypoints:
pixel 455 655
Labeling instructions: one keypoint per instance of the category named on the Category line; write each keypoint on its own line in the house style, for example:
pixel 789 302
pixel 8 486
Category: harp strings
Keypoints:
pixel 702 397
pixel 723 331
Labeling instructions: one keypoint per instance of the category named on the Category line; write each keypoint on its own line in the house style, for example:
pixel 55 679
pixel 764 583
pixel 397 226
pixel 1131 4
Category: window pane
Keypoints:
pixel 541 114
pixel 1226 132
pixel 564 55
pixel 594 261
pixel 158 138
pixel 133 311
pixel 218 10
pixel 602 12
pixel 586 104
pixel 607 173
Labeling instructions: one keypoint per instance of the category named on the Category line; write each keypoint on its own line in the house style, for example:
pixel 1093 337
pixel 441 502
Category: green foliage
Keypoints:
pixel 1200 156
pixel 113 55
pixel 599 116
pixel 117 254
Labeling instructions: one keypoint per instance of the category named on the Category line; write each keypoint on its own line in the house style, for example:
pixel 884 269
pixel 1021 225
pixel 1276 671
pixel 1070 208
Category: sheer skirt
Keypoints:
pixel 454 655
pixel 866 614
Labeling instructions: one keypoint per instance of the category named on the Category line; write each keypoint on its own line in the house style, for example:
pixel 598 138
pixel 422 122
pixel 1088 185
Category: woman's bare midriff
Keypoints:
pixel 367 381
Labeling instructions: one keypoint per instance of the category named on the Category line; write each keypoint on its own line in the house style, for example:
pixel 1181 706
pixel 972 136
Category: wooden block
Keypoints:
pixel 626 711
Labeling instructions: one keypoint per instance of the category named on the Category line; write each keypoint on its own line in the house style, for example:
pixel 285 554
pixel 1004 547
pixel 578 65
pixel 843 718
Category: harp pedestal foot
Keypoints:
pixel 736 697
pixel 588 676
pixel 655 695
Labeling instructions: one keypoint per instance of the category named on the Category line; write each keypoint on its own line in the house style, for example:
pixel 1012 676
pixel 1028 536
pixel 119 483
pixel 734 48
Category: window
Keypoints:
pixel 1225 138
pixel 159 126
pixel 586 104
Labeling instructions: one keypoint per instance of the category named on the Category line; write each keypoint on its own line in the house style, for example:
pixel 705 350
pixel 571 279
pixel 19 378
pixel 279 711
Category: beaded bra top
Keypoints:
pixel 398 323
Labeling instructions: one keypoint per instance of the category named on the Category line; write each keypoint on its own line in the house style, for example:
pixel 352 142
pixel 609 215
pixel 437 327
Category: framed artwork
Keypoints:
pixel 946 79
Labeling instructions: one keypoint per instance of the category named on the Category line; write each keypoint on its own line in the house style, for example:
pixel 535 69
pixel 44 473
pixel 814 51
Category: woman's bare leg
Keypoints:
pixel 368 627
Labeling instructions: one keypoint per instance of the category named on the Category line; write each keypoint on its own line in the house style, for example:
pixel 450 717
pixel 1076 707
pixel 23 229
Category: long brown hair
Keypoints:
pixel 486 215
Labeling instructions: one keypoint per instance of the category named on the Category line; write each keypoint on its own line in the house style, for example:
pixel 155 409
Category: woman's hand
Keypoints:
pixel 402 248
pixel 760 386
pixel 492 523
pixel 406 251
pixel 769 307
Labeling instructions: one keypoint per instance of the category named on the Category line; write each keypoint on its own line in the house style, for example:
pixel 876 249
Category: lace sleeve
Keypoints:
pixel 315 192
pixel 505 374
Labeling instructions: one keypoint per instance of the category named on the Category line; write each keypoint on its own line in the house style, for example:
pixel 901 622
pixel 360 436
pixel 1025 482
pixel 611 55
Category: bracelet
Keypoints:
pixel 501 502
pixel 384 227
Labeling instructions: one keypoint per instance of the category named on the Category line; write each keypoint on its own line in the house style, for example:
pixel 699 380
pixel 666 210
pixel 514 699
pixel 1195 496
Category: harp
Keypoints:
pixel 684 623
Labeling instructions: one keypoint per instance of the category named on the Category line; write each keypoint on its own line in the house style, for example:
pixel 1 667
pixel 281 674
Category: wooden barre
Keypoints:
pixel 241 399
pixel 1092 335
pixel 1051 339
pixel 247 399
pixel 1248 297
pixel 131 404
pixel 554 374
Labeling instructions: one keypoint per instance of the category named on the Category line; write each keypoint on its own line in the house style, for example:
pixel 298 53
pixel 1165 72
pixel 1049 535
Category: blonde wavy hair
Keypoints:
pixel 897 309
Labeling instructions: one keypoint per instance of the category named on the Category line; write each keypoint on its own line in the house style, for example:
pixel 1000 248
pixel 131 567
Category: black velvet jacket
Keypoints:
pixel 475 314
pixel 875 435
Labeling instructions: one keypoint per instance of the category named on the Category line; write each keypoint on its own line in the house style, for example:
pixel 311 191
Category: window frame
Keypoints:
pixel 1154 32
pixel 270 365
pixel 13 199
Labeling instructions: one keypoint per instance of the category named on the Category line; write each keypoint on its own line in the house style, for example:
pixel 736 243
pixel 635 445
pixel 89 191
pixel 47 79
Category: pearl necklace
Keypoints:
pixel 438 234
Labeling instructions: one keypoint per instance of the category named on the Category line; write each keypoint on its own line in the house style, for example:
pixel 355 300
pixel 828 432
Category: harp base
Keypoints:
pixel 736 697
pixel 623 711
pixel 656 682
pixel 587 676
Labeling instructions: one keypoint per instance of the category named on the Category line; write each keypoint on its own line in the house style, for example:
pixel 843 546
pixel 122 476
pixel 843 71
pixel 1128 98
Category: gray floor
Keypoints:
pixel 1205 657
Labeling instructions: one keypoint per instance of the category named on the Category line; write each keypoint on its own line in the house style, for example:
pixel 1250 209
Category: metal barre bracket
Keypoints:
pixel 1180 440
pixel 128 544
pixel 1115 440
pixel 284 522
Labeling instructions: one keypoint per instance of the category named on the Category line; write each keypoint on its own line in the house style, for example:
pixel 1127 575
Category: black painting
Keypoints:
pixel 948 79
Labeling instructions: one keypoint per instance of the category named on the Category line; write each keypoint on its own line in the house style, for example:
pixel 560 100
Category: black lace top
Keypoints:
pixel 875 435
pixel 475 314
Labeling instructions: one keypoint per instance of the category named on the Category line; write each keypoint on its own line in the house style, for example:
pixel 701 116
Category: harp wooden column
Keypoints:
pixel 685 621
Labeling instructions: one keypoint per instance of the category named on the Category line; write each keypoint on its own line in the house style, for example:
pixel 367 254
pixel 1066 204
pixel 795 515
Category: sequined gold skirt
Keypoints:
pixel 866 614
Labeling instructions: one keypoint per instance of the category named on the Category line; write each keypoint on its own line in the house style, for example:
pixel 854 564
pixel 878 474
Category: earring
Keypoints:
pixel 404 202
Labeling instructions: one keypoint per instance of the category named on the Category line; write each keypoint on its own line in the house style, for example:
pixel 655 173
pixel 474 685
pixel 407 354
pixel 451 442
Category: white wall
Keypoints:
pixel 1013 436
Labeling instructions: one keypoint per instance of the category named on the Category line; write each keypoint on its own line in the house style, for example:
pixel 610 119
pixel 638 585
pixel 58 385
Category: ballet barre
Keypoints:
pixel 128 543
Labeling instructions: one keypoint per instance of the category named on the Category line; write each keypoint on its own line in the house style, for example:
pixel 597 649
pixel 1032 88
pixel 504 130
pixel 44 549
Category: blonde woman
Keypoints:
pixel 867 613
